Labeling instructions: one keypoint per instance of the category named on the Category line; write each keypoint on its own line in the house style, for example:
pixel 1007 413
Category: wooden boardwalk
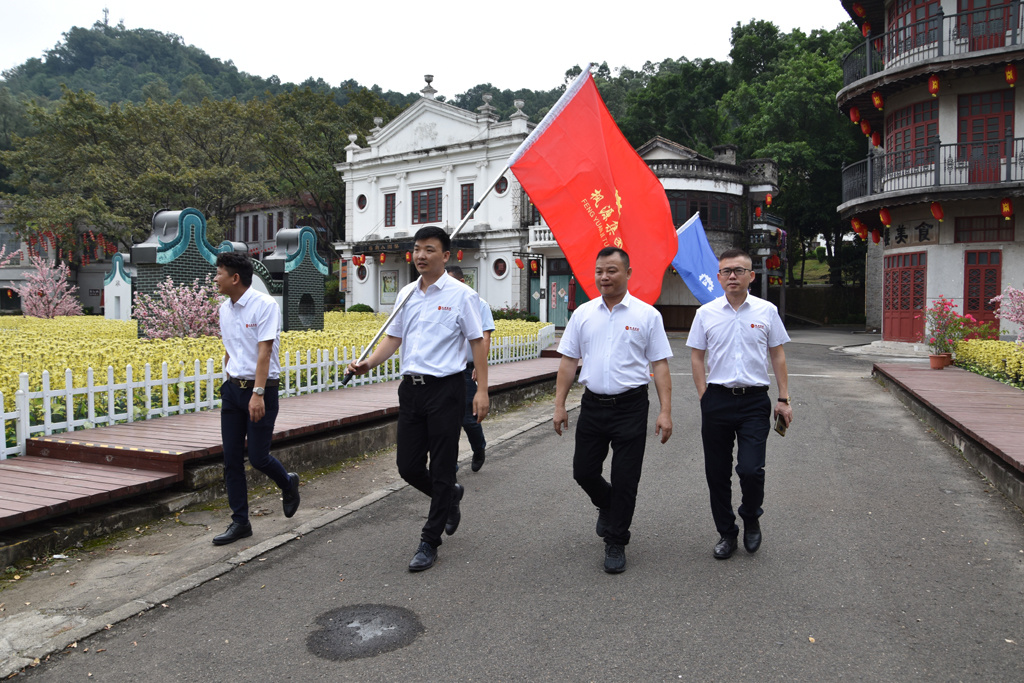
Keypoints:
pixel 988 411
pixel 155 452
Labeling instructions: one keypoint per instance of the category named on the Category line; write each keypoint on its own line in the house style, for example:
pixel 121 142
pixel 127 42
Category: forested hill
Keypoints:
pixel 133 65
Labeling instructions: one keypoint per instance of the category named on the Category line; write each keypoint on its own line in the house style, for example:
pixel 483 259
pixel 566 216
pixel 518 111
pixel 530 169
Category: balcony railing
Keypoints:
pixel 957 34
pixel 935 166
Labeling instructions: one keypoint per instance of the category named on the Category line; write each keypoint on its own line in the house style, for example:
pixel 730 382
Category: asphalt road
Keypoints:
pixel 885 557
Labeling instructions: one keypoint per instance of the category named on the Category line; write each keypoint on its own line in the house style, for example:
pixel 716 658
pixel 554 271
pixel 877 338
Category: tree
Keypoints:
pixel 179 310
pixel 47 292
pixel 110 168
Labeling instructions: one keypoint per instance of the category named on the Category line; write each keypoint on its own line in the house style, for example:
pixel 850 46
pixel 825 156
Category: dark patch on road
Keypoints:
pixel 363 631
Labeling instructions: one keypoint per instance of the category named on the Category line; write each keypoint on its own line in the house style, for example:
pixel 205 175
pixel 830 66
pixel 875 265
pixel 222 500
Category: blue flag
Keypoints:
pixel 696 263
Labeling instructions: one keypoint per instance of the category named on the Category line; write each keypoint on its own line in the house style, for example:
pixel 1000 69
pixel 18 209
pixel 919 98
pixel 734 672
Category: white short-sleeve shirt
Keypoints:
pixel 737 341
pixel 486 323
pixel 616 346
pixel 435 325
pixel 255 317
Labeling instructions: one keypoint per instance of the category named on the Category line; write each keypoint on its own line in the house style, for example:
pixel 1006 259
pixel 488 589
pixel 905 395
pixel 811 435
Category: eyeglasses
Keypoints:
pixel 738 272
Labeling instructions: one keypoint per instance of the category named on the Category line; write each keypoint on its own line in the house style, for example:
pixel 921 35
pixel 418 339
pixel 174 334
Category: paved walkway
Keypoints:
pixel 845 583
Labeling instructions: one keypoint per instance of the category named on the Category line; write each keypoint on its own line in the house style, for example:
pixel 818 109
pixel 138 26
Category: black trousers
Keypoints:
pixel 745 420
pixel 429 421
pixel 474 430
pixel 235 430
pixel 623 426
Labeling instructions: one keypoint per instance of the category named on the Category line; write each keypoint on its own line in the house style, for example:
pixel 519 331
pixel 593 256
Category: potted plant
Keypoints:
pixel 944 328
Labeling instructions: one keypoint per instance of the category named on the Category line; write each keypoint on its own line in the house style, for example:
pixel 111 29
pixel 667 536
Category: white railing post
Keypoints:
pixel 147 385
pixel 129 393
pixel 69 399
pixel 47 416
pixel 90 396
pixel 163 389
pixel 22 428
pixel 111 404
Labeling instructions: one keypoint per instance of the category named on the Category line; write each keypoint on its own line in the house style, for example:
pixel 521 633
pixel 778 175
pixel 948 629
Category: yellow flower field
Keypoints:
pixel 996 359
pixel 33 345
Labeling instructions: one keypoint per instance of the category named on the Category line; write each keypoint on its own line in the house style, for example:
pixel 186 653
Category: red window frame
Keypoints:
pixel 983 229
pixel 912 24
pixel 466 202
pixel 389 210
pixel 426 206
pixel 270 226
pixel 984 121
pixel 910 130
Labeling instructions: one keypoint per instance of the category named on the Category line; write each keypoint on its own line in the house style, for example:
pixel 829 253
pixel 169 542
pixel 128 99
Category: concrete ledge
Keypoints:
pixel 1007 480
pixel 204 482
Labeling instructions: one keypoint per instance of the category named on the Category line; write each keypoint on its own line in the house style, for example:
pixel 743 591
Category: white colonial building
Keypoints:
pixel 432 162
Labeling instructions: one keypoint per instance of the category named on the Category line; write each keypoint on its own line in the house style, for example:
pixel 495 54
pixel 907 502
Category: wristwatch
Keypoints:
pixel 259 391
pixel 783 400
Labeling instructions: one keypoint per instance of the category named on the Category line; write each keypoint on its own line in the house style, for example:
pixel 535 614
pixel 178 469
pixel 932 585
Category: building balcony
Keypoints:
pixel 541 237
pixel 984 168
pixel 993 30
pixel 752 172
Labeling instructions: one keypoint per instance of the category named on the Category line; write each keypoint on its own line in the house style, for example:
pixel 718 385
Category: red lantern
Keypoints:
pixel 859 10
pixel 534 267
pixel 933 85
pixel 865 127
pixel 458 254
pixel 768 199
pixel 937 212
pixel 519 263
pixel 1007 208
pixel 1011 74
pixel 877 100
pixel 885 216
pixel 856 225
pixel 382 257
pixel 854 115
pixel 876 236
pixel 408 257
pixel 757 212
pixel 876 139
pixel 865 29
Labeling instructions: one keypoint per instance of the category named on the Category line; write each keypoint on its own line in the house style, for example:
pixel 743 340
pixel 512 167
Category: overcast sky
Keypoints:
pixel 512 45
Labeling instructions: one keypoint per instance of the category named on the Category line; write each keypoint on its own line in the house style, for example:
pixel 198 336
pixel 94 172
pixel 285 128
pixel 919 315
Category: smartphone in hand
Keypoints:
pixel 780 424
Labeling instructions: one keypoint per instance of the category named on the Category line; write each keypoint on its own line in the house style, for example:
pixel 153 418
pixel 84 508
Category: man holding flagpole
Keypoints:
pixel 439 317
pixel 617 336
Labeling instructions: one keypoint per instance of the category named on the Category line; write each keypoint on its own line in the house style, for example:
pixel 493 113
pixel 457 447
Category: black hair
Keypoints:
pixel 611 251
pixel 455 272
pixel 434 232
pixel 735 253
pixel 236 264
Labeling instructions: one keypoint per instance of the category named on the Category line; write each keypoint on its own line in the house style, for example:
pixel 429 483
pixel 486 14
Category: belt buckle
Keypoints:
pixel 418 379
pixel 738 391
pixel 243 383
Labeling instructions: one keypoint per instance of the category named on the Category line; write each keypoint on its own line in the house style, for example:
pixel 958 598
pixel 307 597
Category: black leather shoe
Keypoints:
pixel 725 548
pixel 602 522
pixel 290 495
pixel 424 557
pixel 614 558
pixel 454 513
pixel 234 532
pixel 478 461
pixel 751 538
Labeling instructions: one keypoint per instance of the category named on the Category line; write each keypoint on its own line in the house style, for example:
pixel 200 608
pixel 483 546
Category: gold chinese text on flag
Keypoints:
pixel 594 191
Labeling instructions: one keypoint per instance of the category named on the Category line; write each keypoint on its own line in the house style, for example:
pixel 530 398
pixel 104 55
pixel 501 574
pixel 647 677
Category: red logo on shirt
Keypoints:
pixel 444 308
pixel 632 329
pixel 248 325
pixel 753 325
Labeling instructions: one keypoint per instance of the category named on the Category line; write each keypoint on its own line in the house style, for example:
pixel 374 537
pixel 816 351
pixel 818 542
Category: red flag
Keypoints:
pixel 595 191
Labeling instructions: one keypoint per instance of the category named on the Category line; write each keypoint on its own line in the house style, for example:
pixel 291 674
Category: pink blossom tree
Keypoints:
pixel 1011 307
pixel 179 310
pixel 47 291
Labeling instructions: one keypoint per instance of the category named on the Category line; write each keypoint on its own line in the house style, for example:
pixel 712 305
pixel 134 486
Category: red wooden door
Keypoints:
pixel 983 276
pixel 903 297
pixel 984 121
pixel 983 23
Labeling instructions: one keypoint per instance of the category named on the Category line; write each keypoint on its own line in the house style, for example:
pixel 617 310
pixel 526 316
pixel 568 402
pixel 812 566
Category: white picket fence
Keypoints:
pixel 46 411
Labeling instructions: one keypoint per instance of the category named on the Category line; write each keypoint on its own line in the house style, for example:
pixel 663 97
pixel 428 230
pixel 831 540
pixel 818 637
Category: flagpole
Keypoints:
pixel 398 306
pixel 525 145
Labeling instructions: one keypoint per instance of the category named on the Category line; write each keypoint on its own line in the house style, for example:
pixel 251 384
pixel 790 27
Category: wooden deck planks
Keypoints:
pixel 986 410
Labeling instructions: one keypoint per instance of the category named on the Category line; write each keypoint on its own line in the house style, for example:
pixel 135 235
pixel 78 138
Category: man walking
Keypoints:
pixel 474 430
pixel 432 329
pixel 617 336
pixel 249 329
pixel 738 335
